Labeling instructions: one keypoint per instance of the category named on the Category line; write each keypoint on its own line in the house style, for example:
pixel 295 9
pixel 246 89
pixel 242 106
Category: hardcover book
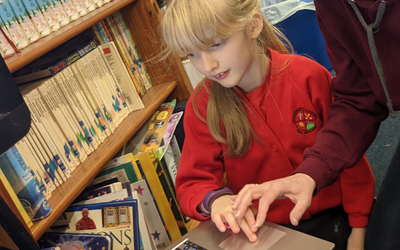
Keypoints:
pixel 75 241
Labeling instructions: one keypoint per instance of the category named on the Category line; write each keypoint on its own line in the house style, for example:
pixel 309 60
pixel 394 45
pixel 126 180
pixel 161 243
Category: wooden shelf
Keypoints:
pixel 65 33
pixel 86 171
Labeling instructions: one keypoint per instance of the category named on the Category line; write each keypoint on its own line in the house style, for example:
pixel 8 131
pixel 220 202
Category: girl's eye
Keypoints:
pixel 218 44
pixel 191 54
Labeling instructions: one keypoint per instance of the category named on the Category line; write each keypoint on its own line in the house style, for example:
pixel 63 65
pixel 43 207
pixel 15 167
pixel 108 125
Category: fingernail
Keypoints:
pixel 237 214
pixel 295 220
pixel 234 206
pixel 256 225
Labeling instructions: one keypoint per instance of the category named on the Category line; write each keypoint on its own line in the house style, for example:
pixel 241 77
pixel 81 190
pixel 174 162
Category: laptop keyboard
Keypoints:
pixel 188 245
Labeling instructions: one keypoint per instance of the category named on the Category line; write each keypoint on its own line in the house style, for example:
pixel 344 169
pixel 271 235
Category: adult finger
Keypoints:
pixel 244 225
pixel 302 204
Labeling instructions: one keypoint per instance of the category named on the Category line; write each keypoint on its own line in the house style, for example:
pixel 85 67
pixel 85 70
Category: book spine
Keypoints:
pixel 47 94
pixel 130 44
pixel 34 162
pixel 37 106
pixel 15 199
pixel 78 111
pixel 23 18
pixel 47 11
pixel 37 17
pixel 45 157
pixel 77 92
pixel 90 78
pixel 70 9
pixel 80 7
pixel 102 121
pixel 59 97
pixel 24 185
pixel 59 12
pixel 40 182
pixel 125 54
pixel 101 33
pixel 114 83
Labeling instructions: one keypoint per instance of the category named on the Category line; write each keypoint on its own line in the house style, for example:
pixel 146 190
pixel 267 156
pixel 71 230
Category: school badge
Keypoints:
pixel 305 120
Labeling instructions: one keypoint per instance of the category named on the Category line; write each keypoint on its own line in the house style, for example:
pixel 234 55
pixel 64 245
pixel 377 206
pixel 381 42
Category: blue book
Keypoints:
pixel 24 185
pixel 116 219
pixel 75 241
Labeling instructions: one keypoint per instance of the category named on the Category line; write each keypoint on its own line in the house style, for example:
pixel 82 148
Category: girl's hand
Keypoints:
pixel 356 238
pixel 298 188
pixel 221 213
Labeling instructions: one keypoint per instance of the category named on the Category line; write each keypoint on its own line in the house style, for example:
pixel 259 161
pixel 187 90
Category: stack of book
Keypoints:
pixel 23 22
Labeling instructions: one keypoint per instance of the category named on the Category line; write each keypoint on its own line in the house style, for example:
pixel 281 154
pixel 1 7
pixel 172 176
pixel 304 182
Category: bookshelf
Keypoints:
pixel 169 77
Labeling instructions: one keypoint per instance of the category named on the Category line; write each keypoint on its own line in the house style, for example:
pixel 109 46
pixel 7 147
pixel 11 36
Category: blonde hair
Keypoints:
pixel 193 25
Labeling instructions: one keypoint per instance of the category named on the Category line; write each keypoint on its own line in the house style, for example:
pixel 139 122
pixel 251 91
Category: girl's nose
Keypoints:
pixel 209 62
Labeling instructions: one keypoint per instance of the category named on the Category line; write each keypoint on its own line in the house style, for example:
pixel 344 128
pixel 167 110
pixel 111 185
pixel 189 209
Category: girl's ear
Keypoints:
pixel 257 25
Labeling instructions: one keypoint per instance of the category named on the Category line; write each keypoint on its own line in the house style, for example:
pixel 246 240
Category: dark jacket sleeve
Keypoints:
pixel 353 118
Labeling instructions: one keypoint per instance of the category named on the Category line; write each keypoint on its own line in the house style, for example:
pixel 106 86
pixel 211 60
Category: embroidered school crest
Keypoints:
pixel 305 120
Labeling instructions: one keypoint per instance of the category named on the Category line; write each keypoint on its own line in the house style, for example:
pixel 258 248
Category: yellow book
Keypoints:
pixel 149 173
pixel 15 199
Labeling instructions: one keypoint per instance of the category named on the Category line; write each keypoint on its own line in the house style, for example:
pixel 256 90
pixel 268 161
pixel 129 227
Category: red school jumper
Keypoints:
pixel 286 112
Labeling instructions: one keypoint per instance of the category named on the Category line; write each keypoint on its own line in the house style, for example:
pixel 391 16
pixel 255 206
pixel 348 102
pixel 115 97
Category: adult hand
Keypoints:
pixel 298 188
pixel 356 238
pixel 221 211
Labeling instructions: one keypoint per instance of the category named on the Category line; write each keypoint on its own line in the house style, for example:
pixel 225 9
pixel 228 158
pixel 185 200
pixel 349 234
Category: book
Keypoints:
pixel 24 20
pixel 55 66
pixel 23 184
pixel 10 23
pixel 15 199
pixel 70 9
pixel 59 12
pixel 116 219
pixel 114 60
pixel 75 241
pixel 146 166
pixel 155 222
pixel 170 163
pixel 157 127
pixel 38 19
pixel 89 193
pixel 6 45
pixel 168 134
pixel 47 11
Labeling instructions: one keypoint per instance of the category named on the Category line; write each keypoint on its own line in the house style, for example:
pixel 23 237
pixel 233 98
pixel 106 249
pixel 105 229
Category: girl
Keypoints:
pixel 250 120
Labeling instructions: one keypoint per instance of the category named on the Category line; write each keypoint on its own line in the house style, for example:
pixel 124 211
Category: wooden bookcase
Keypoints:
pixel 169 77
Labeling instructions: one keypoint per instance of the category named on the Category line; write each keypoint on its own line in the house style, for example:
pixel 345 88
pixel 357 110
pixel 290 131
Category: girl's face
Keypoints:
pixel 231 62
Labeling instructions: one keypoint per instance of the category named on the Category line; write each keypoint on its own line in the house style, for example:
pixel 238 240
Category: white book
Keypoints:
pixel 42 146
pixel 88 86
pixel 91 114
pixel 34 160
pixel 48 167
pixel 77 109
pixel 115 62
pixel 59 13
pixel 49 15
pixel 58 157
pixel 67 149
pixel 89 4
pixel 47 94
pixel 52 152
pixel 170 163
pixel 29 163
pixel 72 113
pixel 113 85
pixel 69 8
pixel 80 7
pixel 59 97
pixel 98 84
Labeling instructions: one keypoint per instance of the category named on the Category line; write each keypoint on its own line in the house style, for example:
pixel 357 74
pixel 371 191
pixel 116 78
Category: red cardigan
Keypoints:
pixel 287 111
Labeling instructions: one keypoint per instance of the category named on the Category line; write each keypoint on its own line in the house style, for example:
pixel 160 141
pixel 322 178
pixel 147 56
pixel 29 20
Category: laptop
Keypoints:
pixel 271 236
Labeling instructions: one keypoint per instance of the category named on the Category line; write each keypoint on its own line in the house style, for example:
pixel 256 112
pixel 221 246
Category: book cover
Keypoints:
pixel 170 163
pixel 23 184
pixel 76 241
pixel 114 60
pixel 151 213
pixel 157 127
pixel 98 218
pixel 168 134
pixel 169 190
pixel 15 199
pixel 146 166
pixel 41 182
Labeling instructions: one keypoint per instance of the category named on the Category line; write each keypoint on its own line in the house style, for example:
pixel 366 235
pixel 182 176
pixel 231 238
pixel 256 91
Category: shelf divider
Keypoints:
pixel 45 44
pixel 86 171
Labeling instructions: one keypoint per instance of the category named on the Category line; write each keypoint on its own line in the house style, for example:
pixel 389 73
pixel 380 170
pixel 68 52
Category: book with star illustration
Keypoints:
pixel 154 221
